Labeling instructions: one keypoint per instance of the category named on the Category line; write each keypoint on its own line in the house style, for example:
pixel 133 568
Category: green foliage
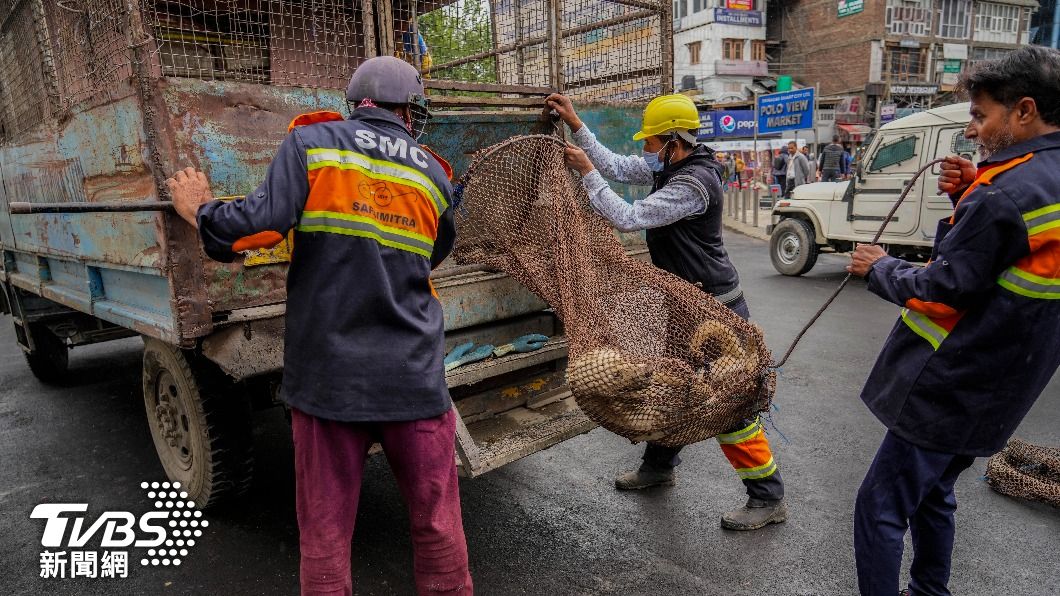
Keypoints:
pixel 456 31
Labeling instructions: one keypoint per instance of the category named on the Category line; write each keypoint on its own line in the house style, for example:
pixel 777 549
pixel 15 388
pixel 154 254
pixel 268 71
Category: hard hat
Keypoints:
pixel 385 79
pixel 668 113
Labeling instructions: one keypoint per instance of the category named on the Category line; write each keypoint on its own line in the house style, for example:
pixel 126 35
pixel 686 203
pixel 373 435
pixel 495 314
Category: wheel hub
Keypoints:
pixel 788 248
pixel 171 418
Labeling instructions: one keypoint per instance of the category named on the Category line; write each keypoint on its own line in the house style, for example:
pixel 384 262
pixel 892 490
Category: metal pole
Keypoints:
pixel 756 206
pixel 743 205
pixel 22 208
pixel 816 102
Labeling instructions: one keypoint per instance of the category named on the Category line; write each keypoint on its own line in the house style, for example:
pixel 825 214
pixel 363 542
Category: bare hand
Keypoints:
pixel 576 159
pixel 189 189
pixel 863 257
pixel 563 106
pixel 956 173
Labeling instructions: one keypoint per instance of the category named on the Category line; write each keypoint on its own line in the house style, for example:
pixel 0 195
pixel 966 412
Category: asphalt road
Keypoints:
pixel 550 524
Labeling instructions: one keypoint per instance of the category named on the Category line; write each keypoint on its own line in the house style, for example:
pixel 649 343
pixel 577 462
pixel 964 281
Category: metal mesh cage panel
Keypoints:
pixel 27 94
pixel 1026 471
pixel 652 357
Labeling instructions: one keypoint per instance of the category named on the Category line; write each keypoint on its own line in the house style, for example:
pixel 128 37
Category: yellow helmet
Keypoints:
pixel 667 113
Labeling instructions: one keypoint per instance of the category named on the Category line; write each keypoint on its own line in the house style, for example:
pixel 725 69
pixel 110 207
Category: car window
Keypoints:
pixel 951 141
pixel 895 153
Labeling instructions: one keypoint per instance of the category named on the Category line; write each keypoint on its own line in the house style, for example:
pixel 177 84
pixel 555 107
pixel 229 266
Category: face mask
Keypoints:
pixel 653 161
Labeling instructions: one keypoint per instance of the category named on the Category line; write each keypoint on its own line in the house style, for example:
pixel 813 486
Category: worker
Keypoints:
pixel 682 216
pixel 372 215
pixel 979 334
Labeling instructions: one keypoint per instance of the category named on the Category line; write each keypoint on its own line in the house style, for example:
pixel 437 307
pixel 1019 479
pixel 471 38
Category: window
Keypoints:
pixel 893 153
pixel 908 17
pixel 905 64
pixel 951 141
pixel 980 54
pixel 758 49
pixel 732 49
pixel 955 17
pixel 700 5
pixel 997 18
pixel 680 9
pixel 693 51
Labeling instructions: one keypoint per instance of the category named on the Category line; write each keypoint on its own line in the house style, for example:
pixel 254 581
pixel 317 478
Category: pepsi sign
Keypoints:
pixel 727 123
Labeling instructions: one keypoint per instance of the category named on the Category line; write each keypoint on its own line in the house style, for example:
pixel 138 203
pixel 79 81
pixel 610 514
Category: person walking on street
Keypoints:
pixel 780 168
pixel 833 161
pixel 682 219
pixel 979 334
pixel 799 170
pixel 740 166
pixel 372 214
pixel 812 160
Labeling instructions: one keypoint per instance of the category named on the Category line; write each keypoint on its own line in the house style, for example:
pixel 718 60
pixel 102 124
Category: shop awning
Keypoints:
pixel 855 131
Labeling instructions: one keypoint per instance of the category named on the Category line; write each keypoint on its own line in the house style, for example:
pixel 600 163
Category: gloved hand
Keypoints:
pixel 526 343
pixel 464 354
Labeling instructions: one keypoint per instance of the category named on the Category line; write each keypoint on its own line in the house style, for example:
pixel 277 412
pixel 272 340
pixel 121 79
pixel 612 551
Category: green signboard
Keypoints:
pixel 849 7
pixel 953 66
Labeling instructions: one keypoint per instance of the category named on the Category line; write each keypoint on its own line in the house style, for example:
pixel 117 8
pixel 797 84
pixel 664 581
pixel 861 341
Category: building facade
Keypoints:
pixel 889 57
pixel 719 48
pixel 1045 25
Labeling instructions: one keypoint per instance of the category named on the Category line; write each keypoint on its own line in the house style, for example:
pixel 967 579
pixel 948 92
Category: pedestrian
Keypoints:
pixel 833 164
pixel 372 215
pixel 780 168
pixel 740 167
pixel 848 161
pixel 799 170
pixel 681 217
pixel 812 160
pixel 979 334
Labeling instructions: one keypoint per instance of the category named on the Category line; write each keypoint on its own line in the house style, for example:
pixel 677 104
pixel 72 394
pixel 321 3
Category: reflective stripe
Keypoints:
pixel 924 327
pixel 1043 219
pixel 730 296
pixel 744 434
pixel 757 473
pixel 378 169
pixel 1030 285
pixel 364 227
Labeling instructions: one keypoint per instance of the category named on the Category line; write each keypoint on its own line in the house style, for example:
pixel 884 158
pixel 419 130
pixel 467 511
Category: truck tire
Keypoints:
pixel 792 247
pixel 50 358
pixel 200 424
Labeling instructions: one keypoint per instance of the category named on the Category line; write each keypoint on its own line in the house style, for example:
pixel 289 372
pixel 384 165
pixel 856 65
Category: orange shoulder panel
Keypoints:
pixel 930 309
pixel 987 175
pixel 314 118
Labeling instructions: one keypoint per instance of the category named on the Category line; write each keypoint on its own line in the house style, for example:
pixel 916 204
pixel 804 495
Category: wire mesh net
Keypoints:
pixel 1026 471
pixel 652 357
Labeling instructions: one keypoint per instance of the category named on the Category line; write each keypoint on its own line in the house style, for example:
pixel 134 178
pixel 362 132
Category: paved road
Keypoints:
pixel 550 524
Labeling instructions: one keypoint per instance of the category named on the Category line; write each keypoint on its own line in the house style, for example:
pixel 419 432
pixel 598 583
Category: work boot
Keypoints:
pixel 645 477
pixel 757 513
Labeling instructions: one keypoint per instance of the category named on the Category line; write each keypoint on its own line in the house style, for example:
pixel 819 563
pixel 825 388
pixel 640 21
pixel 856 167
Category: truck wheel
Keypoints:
pixel 50 357
pixel 199 422
pixel 792 247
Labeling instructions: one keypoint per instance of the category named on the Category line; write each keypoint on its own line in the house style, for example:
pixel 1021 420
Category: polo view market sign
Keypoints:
pixel 790 110
pixel 849 7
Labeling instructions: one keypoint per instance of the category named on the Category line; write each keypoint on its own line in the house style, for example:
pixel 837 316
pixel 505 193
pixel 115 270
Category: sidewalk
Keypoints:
pixel 743 220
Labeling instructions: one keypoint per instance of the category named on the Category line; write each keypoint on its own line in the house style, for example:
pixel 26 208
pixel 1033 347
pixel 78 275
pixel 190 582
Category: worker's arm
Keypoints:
pixel 683 196
pixel 988 237
pixel 264 217
pixel 443 244
pixel 626 169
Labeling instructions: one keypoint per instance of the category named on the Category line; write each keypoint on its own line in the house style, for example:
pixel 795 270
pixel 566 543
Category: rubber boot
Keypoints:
pixel 756 514
pixel 645 477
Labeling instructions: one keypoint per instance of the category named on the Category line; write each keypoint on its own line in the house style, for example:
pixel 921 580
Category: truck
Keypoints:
pixel 101 101
pixel 834 216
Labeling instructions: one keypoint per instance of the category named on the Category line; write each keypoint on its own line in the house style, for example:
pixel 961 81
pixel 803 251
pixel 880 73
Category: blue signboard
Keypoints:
pixel 747 18
pixel 789 110
pixel 727 123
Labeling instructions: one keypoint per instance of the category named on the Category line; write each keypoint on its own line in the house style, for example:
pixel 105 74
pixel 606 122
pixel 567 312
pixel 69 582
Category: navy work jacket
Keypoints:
pixel 979 334
pixel 371 214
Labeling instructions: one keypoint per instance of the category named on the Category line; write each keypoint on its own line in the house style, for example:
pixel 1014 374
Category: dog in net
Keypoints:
pixel 651 357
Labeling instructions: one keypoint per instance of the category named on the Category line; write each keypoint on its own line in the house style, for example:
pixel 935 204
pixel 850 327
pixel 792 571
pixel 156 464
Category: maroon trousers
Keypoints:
pixel 329 462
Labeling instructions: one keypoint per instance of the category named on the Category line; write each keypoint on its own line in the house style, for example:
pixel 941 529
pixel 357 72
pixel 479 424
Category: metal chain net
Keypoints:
pixel 652 357
pixel 1026 471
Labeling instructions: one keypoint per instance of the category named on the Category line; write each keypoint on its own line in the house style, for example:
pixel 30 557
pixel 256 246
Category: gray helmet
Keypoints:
pixel 385 79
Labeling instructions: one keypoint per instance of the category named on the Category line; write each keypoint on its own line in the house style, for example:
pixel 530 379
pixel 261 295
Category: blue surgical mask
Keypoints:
pixel 653 161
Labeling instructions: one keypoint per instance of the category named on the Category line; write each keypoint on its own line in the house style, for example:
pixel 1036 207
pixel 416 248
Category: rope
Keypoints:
pixel 846 280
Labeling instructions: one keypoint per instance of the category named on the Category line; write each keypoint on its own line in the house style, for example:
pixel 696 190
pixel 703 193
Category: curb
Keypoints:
pixel 745 229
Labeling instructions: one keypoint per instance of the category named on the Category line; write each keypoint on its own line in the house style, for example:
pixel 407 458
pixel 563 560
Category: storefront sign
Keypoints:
pixel 914 89
pixel 849 7
pixel 887 112
pixel 953 66
pixel 727 123
pixel 740 4
pixel 746 18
